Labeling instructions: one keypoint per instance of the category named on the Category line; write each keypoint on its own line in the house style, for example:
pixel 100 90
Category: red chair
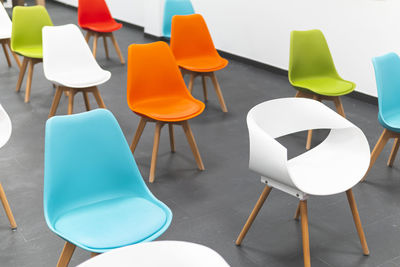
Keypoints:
pixel 95 17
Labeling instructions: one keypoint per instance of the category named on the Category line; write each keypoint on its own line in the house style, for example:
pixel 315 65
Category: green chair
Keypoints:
pixel 26 39
pixel 313 73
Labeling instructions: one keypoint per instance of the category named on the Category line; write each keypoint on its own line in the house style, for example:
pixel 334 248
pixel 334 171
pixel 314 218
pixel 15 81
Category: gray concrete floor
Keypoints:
pixel 209 207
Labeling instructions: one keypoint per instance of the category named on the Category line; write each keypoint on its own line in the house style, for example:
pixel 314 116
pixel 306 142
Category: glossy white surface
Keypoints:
pixel 5 127
pixel 68 60
pixel 5 24
pixel 334 166
pixel 159 254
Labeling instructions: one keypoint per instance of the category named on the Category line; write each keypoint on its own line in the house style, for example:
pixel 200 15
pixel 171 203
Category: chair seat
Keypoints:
pixel 80 78
pixel 391 121
pixel 30 51
pixel 169 109
pixel 203 64
pixel 328 86
pixel 111 224
pixel 104 26
pixel 5 33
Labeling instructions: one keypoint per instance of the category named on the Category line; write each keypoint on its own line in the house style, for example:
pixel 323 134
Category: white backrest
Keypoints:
pixel 5 24
pixel 5 127
pixel 65 48
pixel 279 117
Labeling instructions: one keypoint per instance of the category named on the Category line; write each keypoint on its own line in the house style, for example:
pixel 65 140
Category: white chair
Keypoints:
pixel 334 166
pixel 159 253
pixel 68 62
pixel 5 36
pixel 5 133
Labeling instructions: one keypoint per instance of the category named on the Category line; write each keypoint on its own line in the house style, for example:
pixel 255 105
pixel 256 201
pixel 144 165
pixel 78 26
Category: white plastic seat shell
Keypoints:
pixel 5 24
pixel 68 60
pixel 5 127
pixel 334 166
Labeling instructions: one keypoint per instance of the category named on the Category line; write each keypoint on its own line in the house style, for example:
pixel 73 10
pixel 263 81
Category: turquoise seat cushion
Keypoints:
pixel 391 122
pixel 111 223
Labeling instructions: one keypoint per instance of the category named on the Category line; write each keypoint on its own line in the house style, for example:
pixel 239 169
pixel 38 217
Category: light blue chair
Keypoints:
pixel 94 195
pixel 387 75
pixel 172 8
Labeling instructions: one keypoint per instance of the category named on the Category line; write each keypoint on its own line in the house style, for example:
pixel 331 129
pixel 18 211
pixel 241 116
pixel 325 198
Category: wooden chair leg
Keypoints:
pixel 203 79
pixel 16 57
pixel 386 135
pixel 98 98
pixel 7 208
pixel 86 99
pixel 66 254
pixel 191 82
pixel 94 254
pixel 193 145
pixel 138 134
pixel 305 234
pixel 253 215
pixel 6 54
pixel 87 36
pixel 297 213
pixel 29 81
pixel 105 46
pixel 339 106
pixel 22 73
pixel 219 92
pixel 114 41
pixel 171 137
pixel 393 153
pixel 56 101
pixel 155 151
pixel 96 36
pixel 357 221
pixel 71 96
pixel 309 139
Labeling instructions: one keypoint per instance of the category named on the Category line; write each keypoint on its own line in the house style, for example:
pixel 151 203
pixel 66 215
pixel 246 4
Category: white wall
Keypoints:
pixel 356 30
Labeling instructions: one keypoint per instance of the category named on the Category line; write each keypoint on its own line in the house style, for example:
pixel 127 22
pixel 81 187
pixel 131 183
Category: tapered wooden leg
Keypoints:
pixel 357 221
pixel 41 2
pixel 96 36
pixel 66 255
pixel 309 139
pixel 171 137
pixel 86 99
pixel 386 135
pixel 29 81
pixel 94 254
pixel 305 234
pixel 114 41
pixel 7 208
pixel 16 57
pixel 155 151
pixel 22 73
pixel 219 92
pixel 105 46
pixel 87 37
pixel 203 79
pixel 6 54
pixel 191 82
pixel 393 153
pixel 71 97
pixel 138 134
pixel 339 106
pixel 298 94
pixel 98 98
pixel 297 213
pixel 56 101
pixel 193 145
pixel 253 214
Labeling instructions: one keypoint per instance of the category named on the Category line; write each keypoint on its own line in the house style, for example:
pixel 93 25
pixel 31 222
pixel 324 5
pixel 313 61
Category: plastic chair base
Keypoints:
pixel 97 35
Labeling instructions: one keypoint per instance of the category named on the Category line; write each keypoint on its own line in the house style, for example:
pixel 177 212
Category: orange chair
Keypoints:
pixel 157 93
pixel 195 53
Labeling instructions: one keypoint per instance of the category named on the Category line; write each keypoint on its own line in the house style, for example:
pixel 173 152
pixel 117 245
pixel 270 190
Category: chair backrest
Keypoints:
pixel 5 127
pixel 387 75
pixel 5 23
pixel 27 24
pixel 190 37
pixel 172 8
pixel 275 118
pixel 153 73
pixel 309 56
pixel 87 160
pixel 65 49
pixel 92 11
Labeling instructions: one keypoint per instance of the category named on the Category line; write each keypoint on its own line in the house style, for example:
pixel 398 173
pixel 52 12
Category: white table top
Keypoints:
pixel 157 254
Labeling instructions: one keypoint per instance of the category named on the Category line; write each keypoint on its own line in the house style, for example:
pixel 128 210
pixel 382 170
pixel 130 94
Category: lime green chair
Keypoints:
pixel 26 39
pixel 313 73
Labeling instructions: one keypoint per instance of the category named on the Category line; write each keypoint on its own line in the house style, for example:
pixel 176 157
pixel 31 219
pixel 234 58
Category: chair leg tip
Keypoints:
pixel 14 228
